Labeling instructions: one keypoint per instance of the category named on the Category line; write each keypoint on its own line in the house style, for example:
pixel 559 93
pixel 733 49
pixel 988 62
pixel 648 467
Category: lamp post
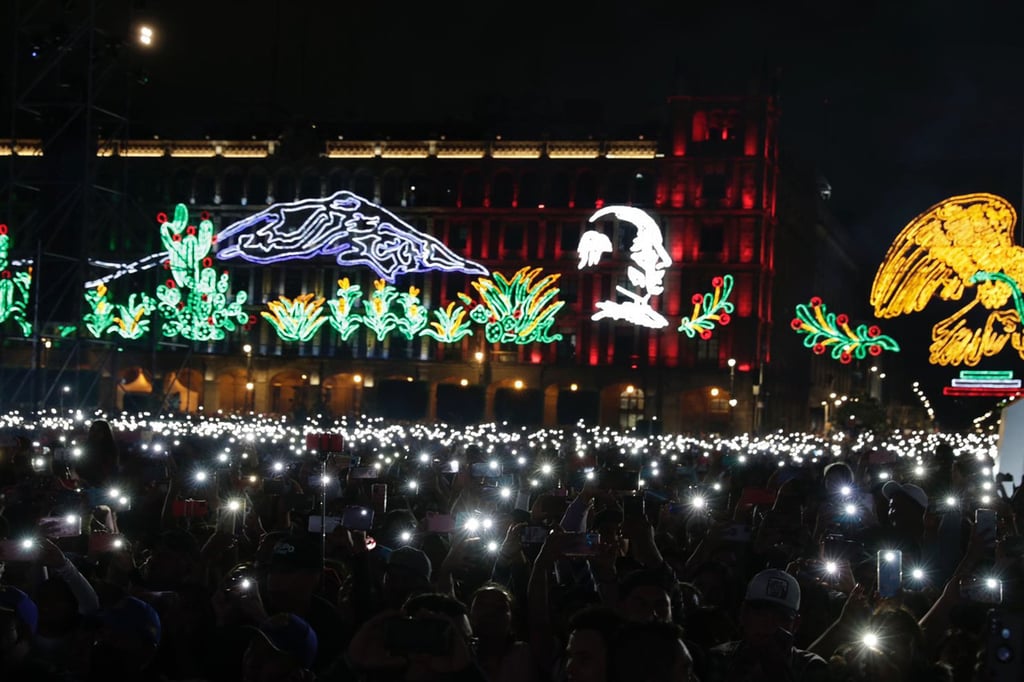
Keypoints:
pixel 732 391
pixel 250 387
pixel 64 391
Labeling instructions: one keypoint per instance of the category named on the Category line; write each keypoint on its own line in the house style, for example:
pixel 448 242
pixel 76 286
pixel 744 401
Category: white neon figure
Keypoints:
pixel 647 275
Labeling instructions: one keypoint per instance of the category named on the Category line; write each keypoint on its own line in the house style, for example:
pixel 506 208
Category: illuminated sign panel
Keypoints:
pixel 984 384
pixel 963 243
pixel 14 287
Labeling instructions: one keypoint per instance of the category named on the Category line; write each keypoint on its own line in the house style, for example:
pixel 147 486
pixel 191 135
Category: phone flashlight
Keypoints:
pixel 845 491
pixel 278 467
pixel 831 567
pixel 506 493
pixel 870 640
pixel 698 502
pixel 950 501
pixel 234 505
pixel 28 543
pixel 492 546
pixel 200 477
pixel 413 485
pixel 850 509
pixel 405 536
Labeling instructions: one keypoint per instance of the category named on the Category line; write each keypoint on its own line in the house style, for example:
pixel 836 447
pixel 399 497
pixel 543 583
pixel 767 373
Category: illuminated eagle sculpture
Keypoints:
pixel 963 243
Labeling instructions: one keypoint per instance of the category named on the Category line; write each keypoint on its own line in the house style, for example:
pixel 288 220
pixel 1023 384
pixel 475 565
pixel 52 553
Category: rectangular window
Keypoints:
pixel 713 187
pixel 513 241
pixel 458 236
pixel 711 241
pixel 570 236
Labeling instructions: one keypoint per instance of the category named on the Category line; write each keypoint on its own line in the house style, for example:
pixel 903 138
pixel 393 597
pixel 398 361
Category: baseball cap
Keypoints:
pixel 295 553
pixel 774 587
pixel 909 489
pixel 288 633
pixel 412 560
pixel 132 615
pixel 13 600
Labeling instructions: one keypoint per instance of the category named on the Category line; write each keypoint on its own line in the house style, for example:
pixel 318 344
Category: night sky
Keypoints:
pixel 899 104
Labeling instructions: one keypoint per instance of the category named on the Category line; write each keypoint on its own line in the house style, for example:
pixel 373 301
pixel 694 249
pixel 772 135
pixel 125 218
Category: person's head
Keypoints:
pixel 608 522
pixel 646 595
pixel 282 649
pixel 407 574
pixel 650 652
pixel 293 574
pixel 490 613
pixel 172 561
pixel 901 636
pixel 127 639
pixel 591 633
pixel 771 605
pixel 836 476
pixel 19 617
pixel 907 506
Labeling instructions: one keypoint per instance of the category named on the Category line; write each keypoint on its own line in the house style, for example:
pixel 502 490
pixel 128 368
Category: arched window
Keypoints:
pixel 232 186
pixel 205 187
pixel 256 188
pixel 643 182
pixel 448 190
pixel 284 187
pixel 421 191
pixel 558 192
pixel 391 188
pixel 502 190
pixel 338 180
pixel 309 186
pixel 586 190
pixel 181 186
pixel 617 191
pixel 529 191
pixel 363 185
pixel 472 189
pixel 631 407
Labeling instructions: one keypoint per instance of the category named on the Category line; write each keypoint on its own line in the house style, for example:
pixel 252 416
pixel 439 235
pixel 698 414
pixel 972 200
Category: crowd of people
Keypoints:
pixel 518 562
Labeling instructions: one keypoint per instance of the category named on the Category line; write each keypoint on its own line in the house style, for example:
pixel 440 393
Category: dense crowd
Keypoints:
pixel 233 550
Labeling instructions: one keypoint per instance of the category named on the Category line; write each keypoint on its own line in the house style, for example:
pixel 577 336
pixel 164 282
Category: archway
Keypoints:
pixel 232 395
pixel 459 401
pixel 341 394
pixel 622 405
pixel 134 390
pixel 514 402
pixel 569 403
pixel 705 408
pixel 183 391
pixel 404 398
pixel 287 392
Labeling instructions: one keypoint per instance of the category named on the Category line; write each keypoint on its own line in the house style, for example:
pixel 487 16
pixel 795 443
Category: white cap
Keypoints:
pixel 909 489
pixel 774 586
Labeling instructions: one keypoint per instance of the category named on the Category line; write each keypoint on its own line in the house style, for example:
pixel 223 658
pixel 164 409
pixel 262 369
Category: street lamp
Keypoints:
pixel 64 391
pixel 145 35
pixel 732 382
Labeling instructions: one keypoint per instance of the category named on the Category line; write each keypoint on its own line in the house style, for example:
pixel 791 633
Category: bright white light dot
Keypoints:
pixel 115 492
pixel 991 583
pixel 742 459
pixel 405 536
pixel 521 461
pixel 987 485
pixel 245 584
pixel 850 509
pixel 492 546
pixel 70 518
pixel 986 499
pixel 870 640
pixel 534 482
pixel 424 458
pixel 917 574
pixel 278 466
pixel 487 523
pixel 493 464
pixel 413 485
pixel 717 486
pixel 698 502
pixel 118 543
pixel 473 525
pixel 506 493
pixel 123 501
pixel 222 457
pixel 845 490
pixel 234 505
pixel 950 501
pixel 26 543
pixel 545 469
pixel 200 476
pixel 890 556
pixel 884 475
pixel 831 567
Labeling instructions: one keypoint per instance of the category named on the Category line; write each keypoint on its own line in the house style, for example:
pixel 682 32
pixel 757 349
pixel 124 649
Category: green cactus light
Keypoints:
pixel 194 301
pixel 14 288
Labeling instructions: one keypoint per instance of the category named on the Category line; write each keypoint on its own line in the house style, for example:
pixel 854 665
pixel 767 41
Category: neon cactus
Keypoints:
pixel 451 325
pixel 102 314
pixel 824 330
pixel 520 310
pixel 14 288
pixel 343 318
pixel 414 315
pixel 127 321
pixel 194 301
pixel 710 309
pixel 296 319
pixel 377 315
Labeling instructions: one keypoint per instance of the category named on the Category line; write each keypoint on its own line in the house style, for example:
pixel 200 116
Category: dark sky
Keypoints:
pixel 900 104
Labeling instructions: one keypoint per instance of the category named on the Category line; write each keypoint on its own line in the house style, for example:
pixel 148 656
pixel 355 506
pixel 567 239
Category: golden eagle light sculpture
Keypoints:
pixel 962 243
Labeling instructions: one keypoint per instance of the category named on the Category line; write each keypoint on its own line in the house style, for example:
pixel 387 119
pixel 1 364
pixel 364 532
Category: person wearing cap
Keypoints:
pixel 292 580
pixel 126 642
pixel 19 617
pixel 407 574
pixel 283 649
pixel 769 617
pixel 905 530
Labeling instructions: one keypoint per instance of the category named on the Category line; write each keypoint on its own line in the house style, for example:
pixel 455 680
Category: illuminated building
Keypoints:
pixel 709 181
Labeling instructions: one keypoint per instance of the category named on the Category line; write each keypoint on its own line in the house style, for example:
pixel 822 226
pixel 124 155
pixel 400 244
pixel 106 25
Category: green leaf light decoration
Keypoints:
pixel 194 302
pixel 14 288
pixel 710 309
pixel 824 330
pixel 520 310
pixel 343 318
pixel 377 314
pixel 296 319
pixel 451 325
pixel 414 315
pixel 127 321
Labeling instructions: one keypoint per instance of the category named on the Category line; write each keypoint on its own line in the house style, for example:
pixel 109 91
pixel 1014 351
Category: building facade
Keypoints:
pixel 709 181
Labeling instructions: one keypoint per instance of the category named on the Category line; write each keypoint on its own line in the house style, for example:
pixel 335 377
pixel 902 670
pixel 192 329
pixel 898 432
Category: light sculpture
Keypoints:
pixel 14 288
pixel 963 242
pixel 709 309
pixel 984 384
pixel 344 319
pixel 129 321
pixel 450 326
pixel 519 310
pixel 377 314
pixel 646 275
pixel 194 301
pixel 296 319
pixel 828 331
pixel 346 227
pixel 413 319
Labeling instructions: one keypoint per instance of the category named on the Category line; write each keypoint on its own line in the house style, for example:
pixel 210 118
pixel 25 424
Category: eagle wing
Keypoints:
pixel 942 249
